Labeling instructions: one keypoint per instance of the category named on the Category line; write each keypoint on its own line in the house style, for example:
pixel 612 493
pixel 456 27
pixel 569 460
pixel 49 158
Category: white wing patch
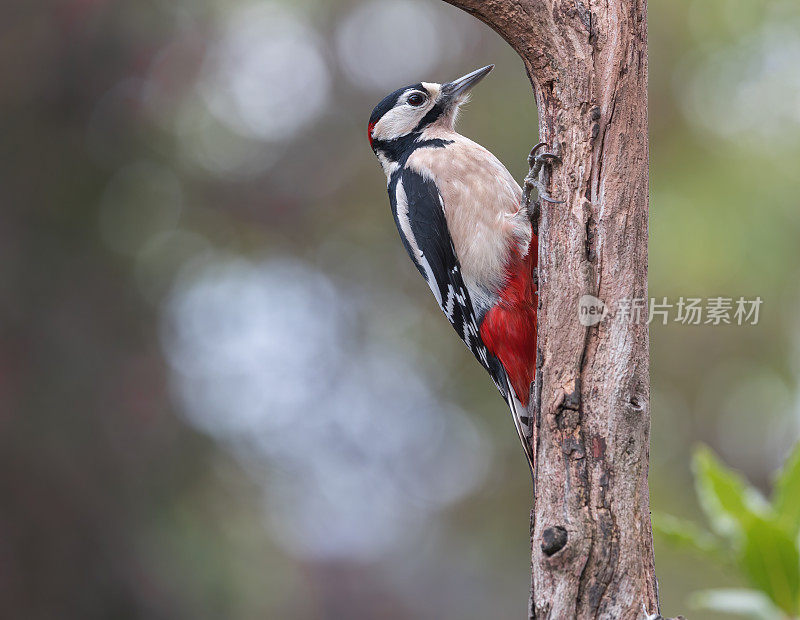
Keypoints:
pixel 405 225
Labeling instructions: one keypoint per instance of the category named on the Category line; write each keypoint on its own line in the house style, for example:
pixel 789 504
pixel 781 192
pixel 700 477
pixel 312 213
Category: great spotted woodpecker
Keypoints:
pixel 461 219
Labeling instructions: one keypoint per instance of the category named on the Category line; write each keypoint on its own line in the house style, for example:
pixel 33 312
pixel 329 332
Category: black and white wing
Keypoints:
pixel 419 215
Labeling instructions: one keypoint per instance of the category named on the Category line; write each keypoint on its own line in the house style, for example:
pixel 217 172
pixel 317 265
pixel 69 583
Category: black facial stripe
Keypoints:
pixel 390 100
pixel 399 149
pixel 435 112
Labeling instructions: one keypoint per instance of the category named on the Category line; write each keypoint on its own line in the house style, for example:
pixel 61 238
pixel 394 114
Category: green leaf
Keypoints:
pixel 770 559
pixel 684 534
pixel 786 495
pixel 738 601
pixel 727 499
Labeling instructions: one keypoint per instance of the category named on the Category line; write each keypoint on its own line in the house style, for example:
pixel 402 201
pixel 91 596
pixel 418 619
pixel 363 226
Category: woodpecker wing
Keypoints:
pixel 419 215
pixel 418 212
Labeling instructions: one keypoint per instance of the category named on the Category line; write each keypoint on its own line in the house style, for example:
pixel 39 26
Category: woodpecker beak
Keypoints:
pixel 455 91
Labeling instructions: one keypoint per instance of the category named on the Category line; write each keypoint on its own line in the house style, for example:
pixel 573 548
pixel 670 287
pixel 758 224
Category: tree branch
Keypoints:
pixel 592 553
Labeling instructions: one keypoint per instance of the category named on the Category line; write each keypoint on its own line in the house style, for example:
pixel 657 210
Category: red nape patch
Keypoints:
pixel 370 127
pixel 509 328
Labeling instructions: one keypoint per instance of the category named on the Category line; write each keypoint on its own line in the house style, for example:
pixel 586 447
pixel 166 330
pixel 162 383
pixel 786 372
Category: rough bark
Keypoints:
pixel 592 553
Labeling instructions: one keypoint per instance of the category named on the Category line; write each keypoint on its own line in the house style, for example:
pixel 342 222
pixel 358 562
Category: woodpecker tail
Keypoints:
pixel 519 413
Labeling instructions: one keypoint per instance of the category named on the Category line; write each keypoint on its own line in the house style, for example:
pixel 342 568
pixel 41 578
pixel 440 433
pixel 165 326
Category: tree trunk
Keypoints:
pixel 592 552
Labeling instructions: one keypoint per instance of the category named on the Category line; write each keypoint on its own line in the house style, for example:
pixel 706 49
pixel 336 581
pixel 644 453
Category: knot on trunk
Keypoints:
pixel 553 540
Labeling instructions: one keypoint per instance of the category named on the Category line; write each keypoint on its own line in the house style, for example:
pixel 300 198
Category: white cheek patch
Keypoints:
pixel 396 122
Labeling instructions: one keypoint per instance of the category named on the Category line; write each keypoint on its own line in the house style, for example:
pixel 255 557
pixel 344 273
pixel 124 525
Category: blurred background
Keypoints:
pixel 224 390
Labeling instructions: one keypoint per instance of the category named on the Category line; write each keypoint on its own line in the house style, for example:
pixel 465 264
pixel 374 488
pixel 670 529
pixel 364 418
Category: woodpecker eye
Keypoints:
pixel 416 99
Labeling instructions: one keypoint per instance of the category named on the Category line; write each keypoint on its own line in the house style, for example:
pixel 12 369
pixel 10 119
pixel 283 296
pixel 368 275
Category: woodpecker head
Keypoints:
pixel 403 115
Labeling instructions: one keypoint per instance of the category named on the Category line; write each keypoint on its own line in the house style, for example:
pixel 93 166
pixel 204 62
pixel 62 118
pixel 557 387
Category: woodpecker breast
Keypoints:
pixel 482 205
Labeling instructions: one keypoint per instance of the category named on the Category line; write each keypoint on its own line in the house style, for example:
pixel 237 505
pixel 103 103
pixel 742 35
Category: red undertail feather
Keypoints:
pixel 509 328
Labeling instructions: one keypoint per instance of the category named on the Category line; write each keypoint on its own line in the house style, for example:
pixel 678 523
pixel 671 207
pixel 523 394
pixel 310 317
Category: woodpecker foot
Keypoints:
pixel 539 165
pixel 535 157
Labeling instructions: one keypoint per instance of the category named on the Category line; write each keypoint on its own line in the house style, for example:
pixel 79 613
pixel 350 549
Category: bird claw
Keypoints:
pixel 532 155
pixel 546 158
pixel 537 160
pixel 538 163
pixel 547 198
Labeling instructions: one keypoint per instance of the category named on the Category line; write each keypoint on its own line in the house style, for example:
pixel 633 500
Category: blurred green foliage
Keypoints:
pixel 759 538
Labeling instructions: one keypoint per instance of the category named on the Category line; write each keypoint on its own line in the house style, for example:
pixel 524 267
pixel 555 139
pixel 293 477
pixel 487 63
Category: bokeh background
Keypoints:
pixel 225 392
